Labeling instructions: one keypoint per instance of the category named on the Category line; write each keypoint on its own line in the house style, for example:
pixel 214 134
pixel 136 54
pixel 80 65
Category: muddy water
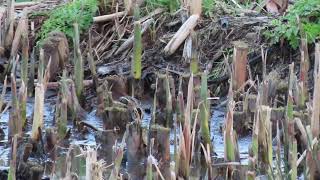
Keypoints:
pixel 88 139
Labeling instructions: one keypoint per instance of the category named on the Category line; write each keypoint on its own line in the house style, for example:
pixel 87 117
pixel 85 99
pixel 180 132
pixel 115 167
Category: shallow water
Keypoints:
pixel 217 121
pixel 88 139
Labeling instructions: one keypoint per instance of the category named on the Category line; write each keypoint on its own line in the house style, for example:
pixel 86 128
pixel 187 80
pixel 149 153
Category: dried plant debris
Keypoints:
pixel 159 89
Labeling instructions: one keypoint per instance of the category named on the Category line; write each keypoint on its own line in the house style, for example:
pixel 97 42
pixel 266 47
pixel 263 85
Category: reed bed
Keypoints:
pixel 284 132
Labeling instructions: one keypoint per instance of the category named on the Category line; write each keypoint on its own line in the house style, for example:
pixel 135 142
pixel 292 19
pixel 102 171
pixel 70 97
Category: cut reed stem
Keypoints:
pixel 204 111
pixel 137 50
pixel 78 62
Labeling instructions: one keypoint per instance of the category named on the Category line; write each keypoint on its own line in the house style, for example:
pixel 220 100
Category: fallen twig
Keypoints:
pixel 153 13
pixel 129 42
pixel 181 35
pixel 108 17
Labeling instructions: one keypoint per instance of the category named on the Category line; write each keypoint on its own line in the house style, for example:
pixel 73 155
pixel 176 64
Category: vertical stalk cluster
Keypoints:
pixel 185 138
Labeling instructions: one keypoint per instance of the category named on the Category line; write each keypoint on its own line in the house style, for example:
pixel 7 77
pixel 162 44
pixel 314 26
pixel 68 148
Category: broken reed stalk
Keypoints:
pixel 175 151
pixel 161 136
pixel 162 139
pixel 317 59
pixel 25 57
pixel 40 89
pixel 254 149
pixel 3 93
pixel 265 140
pixel 154 112
pixel 13 161
pixel 62 107
pixel 316 96
pixel 311 164
pixel 9 28
pixel 278 153
pixel 24 76
pixel 137 51
pixel 149 168
pixel 264 55
pixel 118 150
pixel 152 160
pixel 93 70
pixel 316 107
pixel 205 111
pixel 293 159
pixel 178 120
pixel 194 64
pixel 304 68
pixel 38 111
pixel 23 103
pixel 31 74
pixel 169 113
pixel 196 7
pixel 173 175
pixel 22 27
pixel 78 62
pixel 289 113
pixel 117 163
pixel 73 103
pixel 94 168
pixel 207 156
pixel 15 124
pixel 181 34
pixel 41 66
pixel 240 61
pixel 3 12
pixel 135 144
pixel 229 139
pixel 180 104
pixel 305 53
pixel 21 30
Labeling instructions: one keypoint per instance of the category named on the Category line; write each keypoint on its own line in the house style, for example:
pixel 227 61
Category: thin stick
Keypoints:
pixel 108 17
